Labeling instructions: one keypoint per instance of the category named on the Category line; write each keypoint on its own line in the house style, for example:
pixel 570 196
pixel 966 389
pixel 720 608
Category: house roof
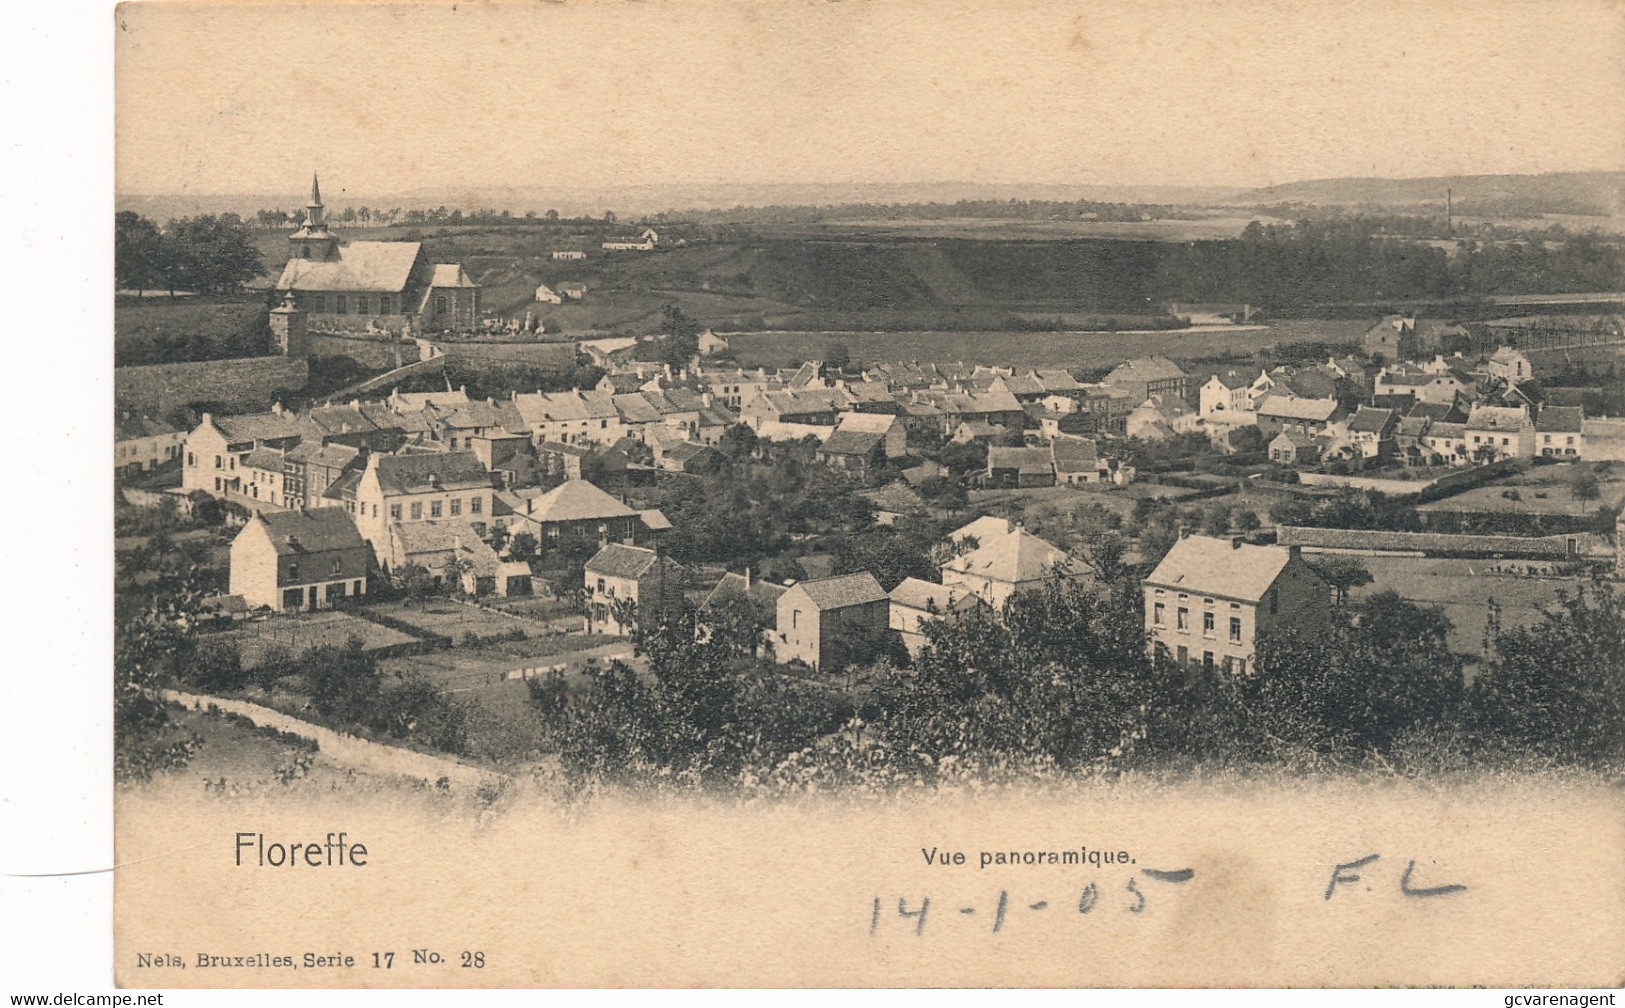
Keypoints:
pixel 851 442
pixel 319 530
pixel 360 266
pixel 263 458
pixel 1232 378
pixel 577 500
pixel 1446 429
pixel 1057 380
pixel 1293 408
pixel 1296 439
pixel 344 487
pixel 445 536
pixel 549 407
pixel 450 275
pixel 402 474
pixel 1205 565
pixel 983 529
pixel 654 519
pixel 1560 419
pixel 870 423
pixel 1497 418
pixel 1370 420
pixel 1017 558
pixel 765 594
pixel 256 427
pixel 1507 355
pixel 1074 454
pixel 1144 369
pixel 620 560
pixel 842 591
pixel 1023 460
pixel 914 593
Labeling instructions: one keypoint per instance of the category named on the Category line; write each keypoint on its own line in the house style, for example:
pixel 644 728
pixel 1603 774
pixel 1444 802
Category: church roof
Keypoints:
pixel 360 266
pixel 450 275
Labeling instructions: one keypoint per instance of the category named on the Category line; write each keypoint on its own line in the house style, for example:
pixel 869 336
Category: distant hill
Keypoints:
pixel 1599 193
pixel 635 200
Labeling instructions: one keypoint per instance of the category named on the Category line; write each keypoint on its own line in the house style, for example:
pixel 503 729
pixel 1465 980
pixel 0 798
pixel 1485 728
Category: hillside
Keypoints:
pixel 1601 193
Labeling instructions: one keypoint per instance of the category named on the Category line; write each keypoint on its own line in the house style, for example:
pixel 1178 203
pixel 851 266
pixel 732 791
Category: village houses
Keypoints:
pixel 832 621
pixel 625 585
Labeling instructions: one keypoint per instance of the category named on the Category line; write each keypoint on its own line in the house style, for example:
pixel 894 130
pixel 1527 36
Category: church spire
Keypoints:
pixel 313 215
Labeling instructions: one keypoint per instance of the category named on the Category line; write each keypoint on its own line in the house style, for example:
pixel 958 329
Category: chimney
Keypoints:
pixel 1184 530
pixel 276 408
pixel 1294 552
pixel 208 418
pixel 747 579
pixel 355 404
pixel 1236 541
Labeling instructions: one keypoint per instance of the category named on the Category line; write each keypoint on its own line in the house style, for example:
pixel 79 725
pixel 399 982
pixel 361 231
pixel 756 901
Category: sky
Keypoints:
pixel 402 98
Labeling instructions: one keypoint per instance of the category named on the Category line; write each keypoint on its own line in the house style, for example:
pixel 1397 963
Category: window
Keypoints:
pixel 1182 619
pixel 1158 613
pixel 434 509
pixel 191 459
pixel 417 510
pixel 440 304
pixel 394 512
pixel 600 586
pixel 474 504
pixel 361 307
pixel 1207 661
pixel 341 305
pixel 293 572
pixel 355 587
pixel 456 506
pixel 374 510
pixel 383 304
pixel 1235 629
pixel 336 566
pixel 1207 624
pixel 1568 440
pixel 795 618
pixel 218 463
pixel 1504 441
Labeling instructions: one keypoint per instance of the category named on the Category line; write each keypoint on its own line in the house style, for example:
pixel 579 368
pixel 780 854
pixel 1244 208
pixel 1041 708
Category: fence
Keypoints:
pixel 363 754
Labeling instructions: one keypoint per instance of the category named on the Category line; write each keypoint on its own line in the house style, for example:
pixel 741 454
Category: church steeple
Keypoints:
pixel 314 217
pixel 314 241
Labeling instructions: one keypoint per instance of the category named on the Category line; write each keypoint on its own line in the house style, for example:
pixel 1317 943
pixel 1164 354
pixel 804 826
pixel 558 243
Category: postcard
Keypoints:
pixel 889 494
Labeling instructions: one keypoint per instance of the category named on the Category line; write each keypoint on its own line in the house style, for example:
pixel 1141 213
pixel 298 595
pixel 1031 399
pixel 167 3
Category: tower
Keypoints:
pixel 288 328
pixel 313 240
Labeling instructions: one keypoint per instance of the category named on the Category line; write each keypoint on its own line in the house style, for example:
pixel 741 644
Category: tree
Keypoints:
pixel 1586 487
pixel 1553 690
pixel 137 250
pixel 1342 573
pixel 209 254
pixel 523 546
pixel 837 357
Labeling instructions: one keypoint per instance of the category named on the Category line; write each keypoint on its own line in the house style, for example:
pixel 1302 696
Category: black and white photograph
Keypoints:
pixel 866 494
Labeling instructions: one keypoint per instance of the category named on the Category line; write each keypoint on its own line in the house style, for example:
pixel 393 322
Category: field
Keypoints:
pixel 1463 588
pixel 454 619
pixel 993 229
pixel 298 632
pixel 1074 351
pixel 161 330
pixel 1539 490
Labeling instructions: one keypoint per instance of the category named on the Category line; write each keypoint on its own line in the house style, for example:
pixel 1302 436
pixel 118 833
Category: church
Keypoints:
pixel 339 285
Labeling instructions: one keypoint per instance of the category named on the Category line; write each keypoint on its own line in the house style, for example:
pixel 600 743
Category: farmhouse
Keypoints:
pixel 295 561
pixel 915 602
pixel 832 622
pixel 1002 565
pixel 628 584
pixel 1210 599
